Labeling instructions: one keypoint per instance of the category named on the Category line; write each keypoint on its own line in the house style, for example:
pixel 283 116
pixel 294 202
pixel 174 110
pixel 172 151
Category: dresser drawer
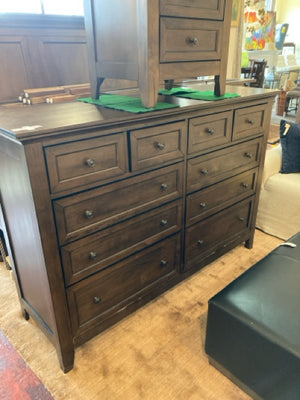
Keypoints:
pixel 96 298
pixel 93 253
pixel 210 200
pixel 203 238
pixel 212 9
pixel 250 121
pixel 151 147
pixel 218 165
pixel 189 39
pixel 95 209
pixel 209 131
pixel 82 162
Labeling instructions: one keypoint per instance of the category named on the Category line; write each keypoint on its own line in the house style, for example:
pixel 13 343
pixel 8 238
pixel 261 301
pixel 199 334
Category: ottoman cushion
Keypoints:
pixel 253 328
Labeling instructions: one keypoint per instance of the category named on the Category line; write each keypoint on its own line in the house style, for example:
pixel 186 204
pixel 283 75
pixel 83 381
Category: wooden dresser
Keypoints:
pixel 154 40
pixel 107 209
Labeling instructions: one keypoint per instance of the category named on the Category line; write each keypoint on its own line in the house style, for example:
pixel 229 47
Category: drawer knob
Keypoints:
pixel 89 214
pixel 202 205
pixel 92 255
pixel 210 131
pixel 193 40
pixel 164 186
pixel 248 155
pixel 242 219
pixel 90 162
pixel 250 121
pixel 200 242
pixel 245 185
pixel 97 300
pixel 164 222
pixel 163 263
pixel 204 172
pixel 160 146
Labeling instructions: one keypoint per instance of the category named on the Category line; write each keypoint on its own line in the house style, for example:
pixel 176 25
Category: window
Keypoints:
pixel 54 7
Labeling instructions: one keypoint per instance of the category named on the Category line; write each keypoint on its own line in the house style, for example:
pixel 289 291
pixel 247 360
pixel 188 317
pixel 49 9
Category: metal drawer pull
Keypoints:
pixel 210 131
pixel 202 205
pixel 245 185
pixel 160 146
pixel 89 214
pixel 90 162
pixel 164 222
pixel 163 263
pixel 164 186
pixel 204 172
pixel 97 300
pixel 248 155
pixel 92 255
pixel 250 121
pixel 241 219
pixel 193 40
pixel 200 242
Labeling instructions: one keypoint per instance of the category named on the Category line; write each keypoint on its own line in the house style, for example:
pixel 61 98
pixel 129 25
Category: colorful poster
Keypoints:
pixel 260 26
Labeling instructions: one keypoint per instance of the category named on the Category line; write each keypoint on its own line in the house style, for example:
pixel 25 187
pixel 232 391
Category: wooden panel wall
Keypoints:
pixel 40 51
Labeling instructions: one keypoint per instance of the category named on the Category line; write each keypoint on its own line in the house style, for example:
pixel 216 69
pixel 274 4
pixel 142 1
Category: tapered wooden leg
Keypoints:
pixel 169 84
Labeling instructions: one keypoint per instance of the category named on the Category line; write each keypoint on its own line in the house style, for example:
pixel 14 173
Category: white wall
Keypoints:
pixel 288 11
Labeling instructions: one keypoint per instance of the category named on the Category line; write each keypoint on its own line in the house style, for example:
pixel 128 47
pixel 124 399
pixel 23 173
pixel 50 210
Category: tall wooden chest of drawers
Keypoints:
pixel 154 40
pixel 106 209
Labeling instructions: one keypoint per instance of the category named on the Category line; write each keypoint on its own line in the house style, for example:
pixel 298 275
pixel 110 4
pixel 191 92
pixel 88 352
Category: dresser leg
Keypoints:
pixel 25 314
pixel 249 242
pixel 66 360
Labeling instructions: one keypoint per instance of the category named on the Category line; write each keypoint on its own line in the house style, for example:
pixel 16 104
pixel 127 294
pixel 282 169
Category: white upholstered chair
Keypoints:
pixel 279 202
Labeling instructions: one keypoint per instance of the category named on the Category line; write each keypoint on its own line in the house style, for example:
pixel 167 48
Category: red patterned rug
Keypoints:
pixel 17 380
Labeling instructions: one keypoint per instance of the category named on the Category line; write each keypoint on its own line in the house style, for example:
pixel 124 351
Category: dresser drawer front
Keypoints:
pixel 79 163
pixel 206 236
pixel 209 131
pixel 210 200
pixel 157 145
pixel 212 9
pixel 211 168
pixel 88 212
pixel 89 255
pixel 189 40
pixel 98 297
pixel 250 121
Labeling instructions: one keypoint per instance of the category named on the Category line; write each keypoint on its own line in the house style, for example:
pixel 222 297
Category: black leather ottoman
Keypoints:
pixel 253 327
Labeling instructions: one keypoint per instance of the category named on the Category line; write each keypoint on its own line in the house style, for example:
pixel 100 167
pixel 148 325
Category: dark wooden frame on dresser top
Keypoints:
pixel 58 195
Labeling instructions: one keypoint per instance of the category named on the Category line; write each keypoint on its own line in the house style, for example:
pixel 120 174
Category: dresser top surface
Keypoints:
pixel 25 122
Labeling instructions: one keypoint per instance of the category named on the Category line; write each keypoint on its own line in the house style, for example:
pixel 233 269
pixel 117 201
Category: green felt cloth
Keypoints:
pixel 196 94
pixel 176 91
pixel 125 103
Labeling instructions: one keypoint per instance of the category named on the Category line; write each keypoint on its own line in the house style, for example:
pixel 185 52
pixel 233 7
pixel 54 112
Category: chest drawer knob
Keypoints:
pixel 245 185
pixel 90 162
pixel 160 146
pixel 97 300
pixel 164 222
pixel 204 172
pixel 250 121
pixel 164 186
pixel 241 219
pixel 163 263
pixel 248 155
pixel 202 205
pixel 200 242
pixel 89 214
pixel 92 255
pixel 210 131
pixel 193 40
